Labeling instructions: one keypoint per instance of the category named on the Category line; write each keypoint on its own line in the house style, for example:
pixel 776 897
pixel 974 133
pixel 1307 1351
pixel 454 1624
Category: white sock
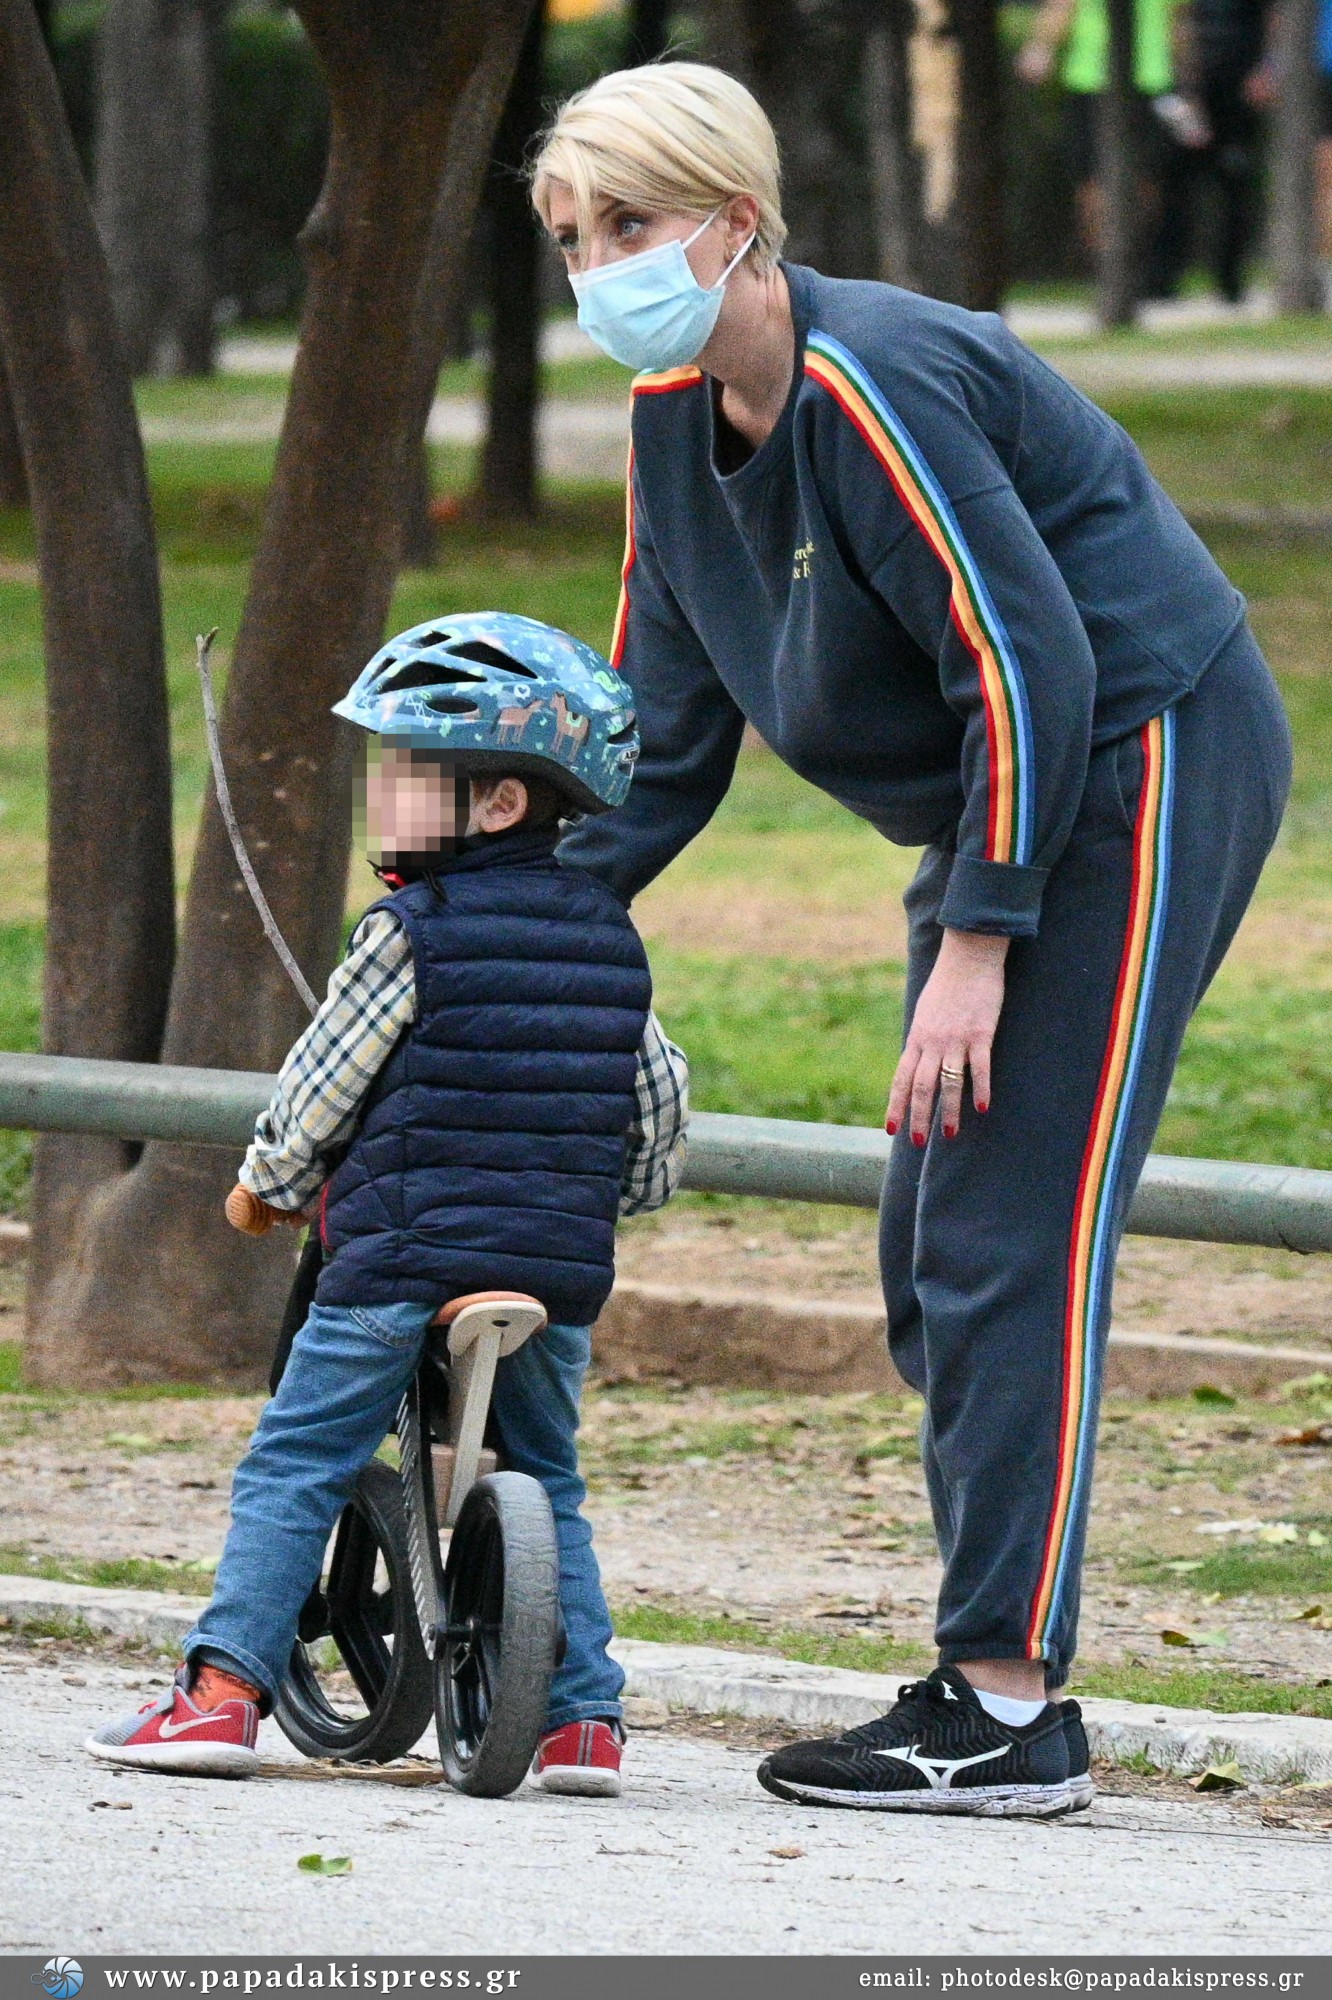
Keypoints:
pixel 1016 1714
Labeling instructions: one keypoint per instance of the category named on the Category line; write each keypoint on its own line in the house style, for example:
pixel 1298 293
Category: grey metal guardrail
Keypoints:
pixel 1209 1201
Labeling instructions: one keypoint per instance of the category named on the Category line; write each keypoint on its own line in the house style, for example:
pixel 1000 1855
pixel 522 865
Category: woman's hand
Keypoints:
pixel 953 1026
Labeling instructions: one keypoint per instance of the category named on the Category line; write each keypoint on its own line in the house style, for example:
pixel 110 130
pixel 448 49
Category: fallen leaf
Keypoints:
pixel 317 1770
pixel 1308 1615
pixel 112 1805
pixel 1182 1568
pixel 129 1440
pixel 1312 1434
pixel 787 1853
pixel 1225 1777
pixel 1279 1531
pixel 319 1864
pixel 1172 1638
pixel 1229 1527
pixel 1316 1538
pixel 1217 1398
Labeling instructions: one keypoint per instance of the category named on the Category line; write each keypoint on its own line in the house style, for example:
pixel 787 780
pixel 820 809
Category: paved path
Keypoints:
pixel 685 1862
pixel 588 439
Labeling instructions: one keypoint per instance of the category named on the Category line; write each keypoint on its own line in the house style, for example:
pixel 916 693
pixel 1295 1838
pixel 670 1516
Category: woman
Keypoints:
pixel 943 587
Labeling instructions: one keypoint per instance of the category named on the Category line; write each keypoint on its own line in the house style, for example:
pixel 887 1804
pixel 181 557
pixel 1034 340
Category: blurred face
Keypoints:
pixel 411 807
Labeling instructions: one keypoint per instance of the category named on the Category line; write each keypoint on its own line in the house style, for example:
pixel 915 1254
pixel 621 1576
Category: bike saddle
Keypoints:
pixel 515 1316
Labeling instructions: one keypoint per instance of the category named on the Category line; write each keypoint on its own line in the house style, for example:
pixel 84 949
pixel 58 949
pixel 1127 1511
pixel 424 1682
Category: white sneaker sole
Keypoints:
pixel 194 1760
pixel 979 1801
pixel 579 1781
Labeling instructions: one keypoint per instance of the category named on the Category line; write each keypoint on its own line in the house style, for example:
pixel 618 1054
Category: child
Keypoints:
pixel 460 1106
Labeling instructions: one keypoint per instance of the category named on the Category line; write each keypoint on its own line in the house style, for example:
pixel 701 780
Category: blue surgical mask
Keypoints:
pixel 649 310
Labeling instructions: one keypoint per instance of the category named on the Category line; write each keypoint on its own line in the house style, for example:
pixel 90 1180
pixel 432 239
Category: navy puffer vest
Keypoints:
pixel 491 1147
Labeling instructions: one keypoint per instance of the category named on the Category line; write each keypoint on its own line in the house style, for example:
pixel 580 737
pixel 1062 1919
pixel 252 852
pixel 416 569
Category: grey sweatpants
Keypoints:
pixel 998 1247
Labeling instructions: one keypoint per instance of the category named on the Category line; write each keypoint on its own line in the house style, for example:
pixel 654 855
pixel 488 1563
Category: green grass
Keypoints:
pixel 133 1573
pixel 1192 1687
pixel 1286 1569
pixel 1221 447
pixel 863 1653
pixel 12 1384
pixel 1202 1687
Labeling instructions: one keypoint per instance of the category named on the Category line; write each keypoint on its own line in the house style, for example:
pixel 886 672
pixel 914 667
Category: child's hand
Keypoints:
pixel 253 1217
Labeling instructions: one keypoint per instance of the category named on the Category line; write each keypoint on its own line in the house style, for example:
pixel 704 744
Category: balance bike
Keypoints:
pixel 398 1624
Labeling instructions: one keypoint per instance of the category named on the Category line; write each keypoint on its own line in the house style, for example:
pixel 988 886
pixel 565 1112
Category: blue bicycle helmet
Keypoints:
pixel 503 693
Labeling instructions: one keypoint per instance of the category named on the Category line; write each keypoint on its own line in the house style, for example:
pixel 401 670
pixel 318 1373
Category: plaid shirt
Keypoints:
pixel 371 999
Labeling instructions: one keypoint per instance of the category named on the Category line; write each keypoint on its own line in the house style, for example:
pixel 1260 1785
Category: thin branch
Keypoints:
pixel 203 647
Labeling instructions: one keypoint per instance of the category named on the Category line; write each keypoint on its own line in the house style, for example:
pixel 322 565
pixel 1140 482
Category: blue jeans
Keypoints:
pixel 334 1406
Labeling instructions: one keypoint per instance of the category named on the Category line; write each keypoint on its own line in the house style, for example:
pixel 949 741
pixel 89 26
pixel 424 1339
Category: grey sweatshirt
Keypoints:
pixel 943 578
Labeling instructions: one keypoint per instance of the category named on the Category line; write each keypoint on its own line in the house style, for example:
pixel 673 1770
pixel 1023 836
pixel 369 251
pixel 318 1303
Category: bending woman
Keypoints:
pixel 944 588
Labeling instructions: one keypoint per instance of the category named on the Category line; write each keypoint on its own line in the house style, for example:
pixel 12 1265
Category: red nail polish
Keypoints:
pixel 982 1108
pixel 890 1127
pixel 950 1131
pixel 918 1138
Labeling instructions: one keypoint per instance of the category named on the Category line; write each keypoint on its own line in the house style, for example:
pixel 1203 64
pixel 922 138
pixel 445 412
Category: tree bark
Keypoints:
pixel 803 60
pixel 157 1284
pixel 1294 223
pixel 894 165
pixel 981 232
pixel 13 477
pixel 111 912
pixel 1118 280
pixel 154 178
pixel 507 485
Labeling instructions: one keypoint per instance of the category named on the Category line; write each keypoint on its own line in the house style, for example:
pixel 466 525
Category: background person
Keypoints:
pixel 943 587
pixel 1072 38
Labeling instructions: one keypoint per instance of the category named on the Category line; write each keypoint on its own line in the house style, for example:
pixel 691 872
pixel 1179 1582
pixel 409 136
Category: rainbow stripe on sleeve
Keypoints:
pixel 977 622
pixel 659 384
pixel 1091 1245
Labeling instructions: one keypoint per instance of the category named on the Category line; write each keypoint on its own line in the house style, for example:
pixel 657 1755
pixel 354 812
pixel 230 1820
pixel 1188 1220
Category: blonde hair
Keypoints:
pixel 678 136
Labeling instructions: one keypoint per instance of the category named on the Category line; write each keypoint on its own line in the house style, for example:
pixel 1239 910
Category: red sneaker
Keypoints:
pixel 171 1734
pixel 583 1759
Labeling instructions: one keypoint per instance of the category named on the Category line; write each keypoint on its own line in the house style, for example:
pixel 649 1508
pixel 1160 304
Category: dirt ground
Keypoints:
pixel 1271 1297
pixel 795 1511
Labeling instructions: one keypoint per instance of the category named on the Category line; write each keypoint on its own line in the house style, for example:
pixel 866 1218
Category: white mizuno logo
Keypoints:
pixel 169 1729
pixel 939 1771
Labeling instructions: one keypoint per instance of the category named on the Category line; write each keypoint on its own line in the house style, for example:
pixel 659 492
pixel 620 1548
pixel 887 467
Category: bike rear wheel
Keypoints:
pixel 359 1685
pixel 497 1644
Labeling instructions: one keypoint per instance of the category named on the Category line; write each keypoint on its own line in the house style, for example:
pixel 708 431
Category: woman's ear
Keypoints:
pixel 496 810
pixel 742 215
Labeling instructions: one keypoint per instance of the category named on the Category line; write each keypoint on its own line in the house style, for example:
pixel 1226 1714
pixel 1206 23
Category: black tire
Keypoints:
pixel 378 1706
pixel 499 1640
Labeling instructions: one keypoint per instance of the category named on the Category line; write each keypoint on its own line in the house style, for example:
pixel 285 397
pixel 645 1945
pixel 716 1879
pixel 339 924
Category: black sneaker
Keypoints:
pixel 936 1750
pixel 1079 1757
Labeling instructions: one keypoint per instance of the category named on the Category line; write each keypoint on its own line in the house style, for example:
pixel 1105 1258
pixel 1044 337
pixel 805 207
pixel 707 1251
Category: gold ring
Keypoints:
pixel 953 1075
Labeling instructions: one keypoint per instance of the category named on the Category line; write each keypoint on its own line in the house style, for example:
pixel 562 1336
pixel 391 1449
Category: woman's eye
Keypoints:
pixel 629 225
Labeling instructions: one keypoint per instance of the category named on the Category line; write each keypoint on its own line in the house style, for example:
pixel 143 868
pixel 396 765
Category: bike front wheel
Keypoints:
pixel 498 1642
pixel 358 1684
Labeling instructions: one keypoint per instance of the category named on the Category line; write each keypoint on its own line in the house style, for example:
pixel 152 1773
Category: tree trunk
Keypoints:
pixel 111 912
pixel 803 60
pixel 154 176
pixel 13 478
pixel 507 486
pixel 1294 223
pixel 1117 291
pixel 981 232
pixel 157 1284
pixel 894 164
